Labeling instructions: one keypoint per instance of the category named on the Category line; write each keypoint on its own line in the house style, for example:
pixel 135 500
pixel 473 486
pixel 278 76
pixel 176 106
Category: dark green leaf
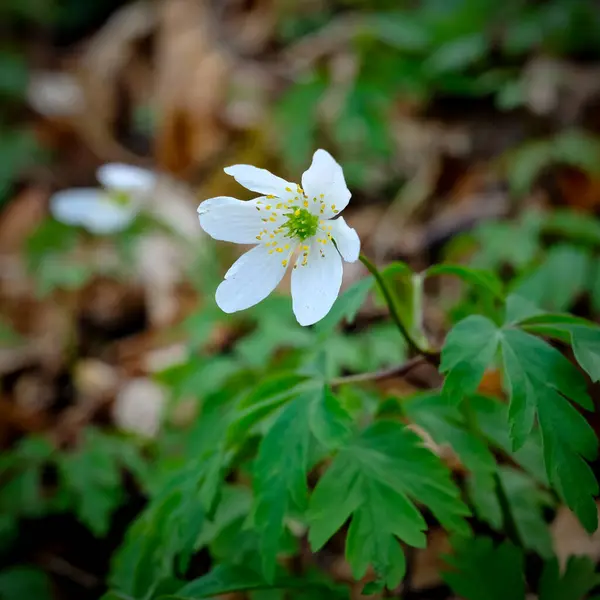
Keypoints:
pixel 374 479
pixel 468 350
pixel 24 583
pixel 578 579
pixel 484 572
pixel 280 474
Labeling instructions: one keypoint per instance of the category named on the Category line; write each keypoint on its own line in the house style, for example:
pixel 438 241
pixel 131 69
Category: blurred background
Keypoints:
pixel 468 131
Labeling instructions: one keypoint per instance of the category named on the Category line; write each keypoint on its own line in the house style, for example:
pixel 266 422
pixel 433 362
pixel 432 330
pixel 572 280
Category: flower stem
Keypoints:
pixel 391 301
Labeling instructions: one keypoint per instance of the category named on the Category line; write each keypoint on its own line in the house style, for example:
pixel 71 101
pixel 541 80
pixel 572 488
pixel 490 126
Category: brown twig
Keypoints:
pixel 397 371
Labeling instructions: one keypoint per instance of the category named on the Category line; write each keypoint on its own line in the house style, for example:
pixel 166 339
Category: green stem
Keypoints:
pixel 390 299
pixel 508 521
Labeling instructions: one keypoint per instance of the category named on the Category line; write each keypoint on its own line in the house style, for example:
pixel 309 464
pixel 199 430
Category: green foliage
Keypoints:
pixel 20 583
pixel 89 480
pixel 481 570
pixel 373 479
pixel 539 380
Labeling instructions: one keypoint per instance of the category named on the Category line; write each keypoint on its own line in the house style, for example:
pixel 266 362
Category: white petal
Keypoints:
pixel 120 176
pixel 346 238
pixel 230 220
pixel 250 279
pixel 325 176
pixel 316 285
pixel 73 206
pixel 90 208
pixel 262 181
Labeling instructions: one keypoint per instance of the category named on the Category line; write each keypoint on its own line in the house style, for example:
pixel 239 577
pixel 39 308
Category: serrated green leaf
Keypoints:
pixel 539 380
pixel 265 398
pixel 329 421
pixel 583 335
pixel 484 572
pixel 469 348
pixel 491 415
pixel 374 479
pixel 526 502
pixel 280 472
pixel 586 347
pixel 537 375
pixel 578 579
pixel 166 530
pixel 441 419
pixel 93 475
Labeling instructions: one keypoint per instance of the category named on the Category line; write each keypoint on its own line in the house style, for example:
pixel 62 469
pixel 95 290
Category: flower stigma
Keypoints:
pixel 119 197
pixel 301 224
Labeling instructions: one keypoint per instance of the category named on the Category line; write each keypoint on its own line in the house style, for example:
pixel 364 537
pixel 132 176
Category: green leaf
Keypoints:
pixel 578 579
pixel 167 529
pixel 92 474
pixel 296 120
pixel 280 474
pixel 24 583
pixel 469 348
pixel 347 305
pixel 441 419
pixel 330 423
pixel 559 280
pixel 574 225
pixel 484 572
pixel 586 347
pixel 583 335
pixel 491 416
pixel 481 278
pixel 458 54
pixel 375 479
pixel 539 380
pixel 13 75
pixel 526 502
pixel 226 579
pixel 265 398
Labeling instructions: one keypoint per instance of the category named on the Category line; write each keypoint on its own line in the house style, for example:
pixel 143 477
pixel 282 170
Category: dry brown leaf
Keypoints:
pixel 20 218
pixel 191 84
pixel 428 563
pixel 570 538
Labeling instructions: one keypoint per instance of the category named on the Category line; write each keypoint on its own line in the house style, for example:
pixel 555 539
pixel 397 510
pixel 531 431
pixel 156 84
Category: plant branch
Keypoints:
pixel 390 299
pixel 397 371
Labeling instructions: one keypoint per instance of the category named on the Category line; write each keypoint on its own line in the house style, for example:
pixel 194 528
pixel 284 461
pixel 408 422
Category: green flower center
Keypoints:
pixel 301 224
pixel 119 197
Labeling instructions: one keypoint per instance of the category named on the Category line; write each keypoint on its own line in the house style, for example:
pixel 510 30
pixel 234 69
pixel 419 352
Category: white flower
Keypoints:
pixel 285 220
pixel 108 209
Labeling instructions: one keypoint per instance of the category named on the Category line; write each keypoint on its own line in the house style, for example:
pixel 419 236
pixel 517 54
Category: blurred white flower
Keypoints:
pixel 110 208
pixel 139 407
pixel 287 219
